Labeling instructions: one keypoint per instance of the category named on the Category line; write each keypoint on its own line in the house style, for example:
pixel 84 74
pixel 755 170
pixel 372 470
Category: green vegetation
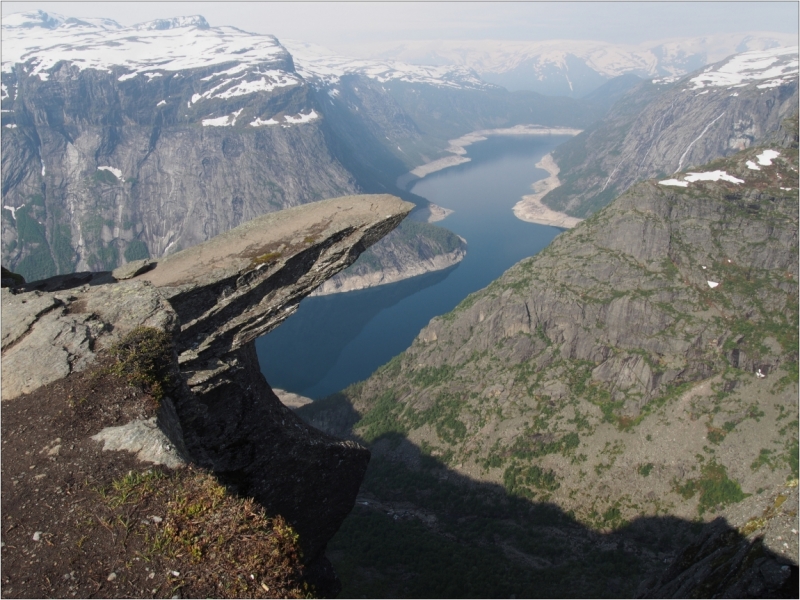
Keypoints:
pixel 715 489
pixel 265 259
pixel 244 552
pixel 520 480
pixel 62 248
pixel 380 420
pixel 145 358
pixel 38 262
pixel 644 470
pixel 463 543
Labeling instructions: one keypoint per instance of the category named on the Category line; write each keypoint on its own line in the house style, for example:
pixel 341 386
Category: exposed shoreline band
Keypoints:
pixel 531 209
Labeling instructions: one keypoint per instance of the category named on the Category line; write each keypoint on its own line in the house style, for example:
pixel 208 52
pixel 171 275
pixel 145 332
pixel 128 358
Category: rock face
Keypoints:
pixel 665 126
pixel 412 249
pixel 122 144
pixel 215 299
pixel 644 364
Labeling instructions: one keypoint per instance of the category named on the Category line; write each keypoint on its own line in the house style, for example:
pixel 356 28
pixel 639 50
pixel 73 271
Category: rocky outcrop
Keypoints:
pixel 665 126
pixel 412 249
pixel 733 560
pixel 215 299
pixel 644 364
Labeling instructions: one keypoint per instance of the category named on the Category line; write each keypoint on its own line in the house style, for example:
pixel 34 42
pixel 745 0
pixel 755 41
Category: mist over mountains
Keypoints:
pixel 574 67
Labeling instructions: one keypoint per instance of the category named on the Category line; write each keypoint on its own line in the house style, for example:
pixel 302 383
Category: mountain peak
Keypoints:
pixel 197 21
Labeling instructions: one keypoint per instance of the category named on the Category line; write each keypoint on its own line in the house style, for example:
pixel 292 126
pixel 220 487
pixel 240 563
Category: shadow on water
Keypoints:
pixel 420 529
pixel 323 326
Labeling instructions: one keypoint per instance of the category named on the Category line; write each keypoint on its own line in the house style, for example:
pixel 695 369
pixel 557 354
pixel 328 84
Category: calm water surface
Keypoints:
pixel 333 341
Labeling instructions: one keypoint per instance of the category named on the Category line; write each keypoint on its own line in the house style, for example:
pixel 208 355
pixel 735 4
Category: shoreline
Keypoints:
pixel 531 209
pixel 344 282
pixel 457 148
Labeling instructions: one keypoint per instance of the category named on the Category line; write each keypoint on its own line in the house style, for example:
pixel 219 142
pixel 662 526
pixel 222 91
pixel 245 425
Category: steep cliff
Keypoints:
pixel 216 410
pixel 123 143
pixel 664 126
pixel 644 365
pixel 412 249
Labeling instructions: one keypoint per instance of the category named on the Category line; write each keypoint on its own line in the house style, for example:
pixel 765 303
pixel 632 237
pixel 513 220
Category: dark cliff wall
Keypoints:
pixel 181 182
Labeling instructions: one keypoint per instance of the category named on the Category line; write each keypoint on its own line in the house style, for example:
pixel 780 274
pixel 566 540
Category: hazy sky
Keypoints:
pixel 338 24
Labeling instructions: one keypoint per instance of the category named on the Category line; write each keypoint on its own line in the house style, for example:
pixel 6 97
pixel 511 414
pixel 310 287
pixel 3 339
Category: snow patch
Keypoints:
pixel 162 103
pixel 777 66
pixel 665 80
pixel 712 284
pixel 753 166
pixel 301 118
pixel 126 76
pixel 226 121
pixel 43 40
pixel 271 81
pixel 712 176
pixel 708 176
pixel 11 126
pixel 117 173
pixel 13 210
pixel 260 123
pixel 765 158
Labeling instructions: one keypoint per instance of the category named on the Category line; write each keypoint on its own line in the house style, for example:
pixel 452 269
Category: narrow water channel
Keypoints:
pixel 333 341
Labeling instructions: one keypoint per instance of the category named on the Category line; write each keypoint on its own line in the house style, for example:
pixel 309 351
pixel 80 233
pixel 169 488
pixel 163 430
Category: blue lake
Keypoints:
pixel 333 341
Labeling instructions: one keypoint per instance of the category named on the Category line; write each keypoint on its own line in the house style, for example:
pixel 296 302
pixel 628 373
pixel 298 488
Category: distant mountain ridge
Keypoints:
pixel 573 67
pixel 122 143
pixel 669 124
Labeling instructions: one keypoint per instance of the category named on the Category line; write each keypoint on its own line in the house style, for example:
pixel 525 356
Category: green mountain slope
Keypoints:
pixel 638 375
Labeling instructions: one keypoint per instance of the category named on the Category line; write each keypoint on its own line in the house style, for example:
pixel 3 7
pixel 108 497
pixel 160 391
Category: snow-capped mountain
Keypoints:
pixel 42 40
pixel 573 67
pixel 670 124
pixel 125 142
pixel 324 67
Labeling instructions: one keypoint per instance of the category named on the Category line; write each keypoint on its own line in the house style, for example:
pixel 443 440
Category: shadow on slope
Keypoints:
pixel 421 529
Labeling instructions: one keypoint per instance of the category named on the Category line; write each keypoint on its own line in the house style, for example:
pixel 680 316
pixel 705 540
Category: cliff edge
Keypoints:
pixel 205 405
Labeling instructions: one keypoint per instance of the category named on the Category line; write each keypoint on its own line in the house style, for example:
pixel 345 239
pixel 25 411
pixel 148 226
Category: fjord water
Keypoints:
pixel 333 341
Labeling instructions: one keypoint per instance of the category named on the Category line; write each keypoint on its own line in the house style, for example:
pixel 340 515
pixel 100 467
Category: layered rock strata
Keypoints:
pixel 215 299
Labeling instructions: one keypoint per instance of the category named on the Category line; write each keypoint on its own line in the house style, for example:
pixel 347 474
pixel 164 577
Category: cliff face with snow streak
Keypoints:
pixel 108 158
pixel 666 125
pixel 127 142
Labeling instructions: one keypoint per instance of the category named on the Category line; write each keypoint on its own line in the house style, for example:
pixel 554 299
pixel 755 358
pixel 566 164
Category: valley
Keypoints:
pixel 613 383
pixel 456 318
pixel 310 357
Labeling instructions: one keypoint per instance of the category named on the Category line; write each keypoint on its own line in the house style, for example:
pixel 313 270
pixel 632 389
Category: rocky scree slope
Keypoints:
pixel 214 299
pixel 123 143
pixel 644 364
pixel 671 124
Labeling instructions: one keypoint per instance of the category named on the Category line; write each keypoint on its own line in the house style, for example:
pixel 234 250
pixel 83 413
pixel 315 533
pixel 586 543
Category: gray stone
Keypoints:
pixel 132 269
pixel 143 438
